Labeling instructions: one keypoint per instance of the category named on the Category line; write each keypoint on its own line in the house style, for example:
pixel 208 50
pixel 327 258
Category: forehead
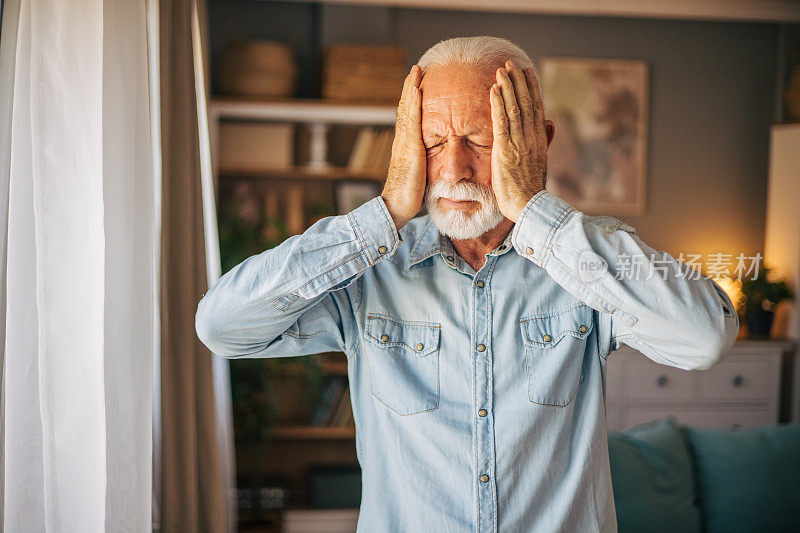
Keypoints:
pixel 456 95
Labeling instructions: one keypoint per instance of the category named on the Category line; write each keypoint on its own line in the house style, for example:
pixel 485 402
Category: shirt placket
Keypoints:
pixel 483 408
pixel 482 356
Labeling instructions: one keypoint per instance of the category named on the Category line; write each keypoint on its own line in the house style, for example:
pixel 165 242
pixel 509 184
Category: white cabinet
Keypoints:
pixel 742 390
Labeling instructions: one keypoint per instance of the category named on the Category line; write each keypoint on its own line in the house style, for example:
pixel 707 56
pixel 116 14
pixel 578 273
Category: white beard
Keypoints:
pixel 455 223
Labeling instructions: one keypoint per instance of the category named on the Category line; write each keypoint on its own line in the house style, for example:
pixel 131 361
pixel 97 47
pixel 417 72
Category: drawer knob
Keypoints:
pixel 662 381
pixel 738 380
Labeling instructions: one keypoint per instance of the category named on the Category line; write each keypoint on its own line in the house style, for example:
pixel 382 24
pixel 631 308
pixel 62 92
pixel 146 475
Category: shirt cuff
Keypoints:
pixel 537 225
pixel 375 230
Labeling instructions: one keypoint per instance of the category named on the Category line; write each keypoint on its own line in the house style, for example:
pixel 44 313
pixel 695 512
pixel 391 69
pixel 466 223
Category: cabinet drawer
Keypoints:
pixel 737 381
pixel 700 418
pixel 651 381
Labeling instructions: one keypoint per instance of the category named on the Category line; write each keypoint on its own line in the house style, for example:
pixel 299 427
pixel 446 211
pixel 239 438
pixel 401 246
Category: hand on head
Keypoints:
pixel 459 120
pixel 405 182
pixel 521 138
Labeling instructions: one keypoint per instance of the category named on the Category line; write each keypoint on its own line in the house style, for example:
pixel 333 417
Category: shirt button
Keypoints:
pixel 502 248
pixel 529 250
pixel 547 338
pixel 480 283
pixel 484 478
pixel 420 346
pixel 482 412
pixel 450 258
pixel 382 249
pixel 384 337
pixel 481 347
pixel 582 329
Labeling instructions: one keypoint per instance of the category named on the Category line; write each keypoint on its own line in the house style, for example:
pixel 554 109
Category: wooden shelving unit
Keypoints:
pixel 296 447
pixel 317 115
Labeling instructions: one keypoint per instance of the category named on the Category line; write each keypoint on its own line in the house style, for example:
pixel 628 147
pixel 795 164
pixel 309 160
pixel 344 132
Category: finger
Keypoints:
pixel 511 105
pixel 402 117
pixel 524 99
pixel 416 75
pixel 408 83
pixel 415 116
pixel 500 129
pixel 538 106
pixel 402 106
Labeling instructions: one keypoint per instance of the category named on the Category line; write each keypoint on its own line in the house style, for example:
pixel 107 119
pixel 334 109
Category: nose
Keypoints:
pixel 455 161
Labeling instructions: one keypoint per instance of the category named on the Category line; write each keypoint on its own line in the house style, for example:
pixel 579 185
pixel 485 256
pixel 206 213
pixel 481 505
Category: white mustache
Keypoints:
pixel 455 223
pixel 461 191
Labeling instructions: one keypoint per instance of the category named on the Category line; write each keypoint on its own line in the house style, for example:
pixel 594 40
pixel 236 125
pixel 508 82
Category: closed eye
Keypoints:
pixel 479 145
pixel 434 147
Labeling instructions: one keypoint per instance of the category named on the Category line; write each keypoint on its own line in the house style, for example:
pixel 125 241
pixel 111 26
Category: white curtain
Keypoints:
pixel 79 192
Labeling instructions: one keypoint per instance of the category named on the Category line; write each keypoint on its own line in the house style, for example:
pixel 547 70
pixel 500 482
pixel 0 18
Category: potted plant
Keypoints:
pixel 761 296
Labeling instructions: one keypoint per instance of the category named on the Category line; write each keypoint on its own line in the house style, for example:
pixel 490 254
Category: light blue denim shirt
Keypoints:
pixel 478 396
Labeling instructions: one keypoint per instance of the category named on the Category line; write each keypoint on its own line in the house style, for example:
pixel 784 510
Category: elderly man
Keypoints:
pixel 477 335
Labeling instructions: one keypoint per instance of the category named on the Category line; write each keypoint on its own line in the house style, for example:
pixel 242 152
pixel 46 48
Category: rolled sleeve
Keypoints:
pixel 532 236
pixel 375 230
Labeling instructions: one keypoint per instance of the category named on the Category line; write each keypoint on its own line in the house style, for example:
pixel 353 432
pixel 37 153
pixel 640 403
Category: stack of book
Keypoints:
pixel 334 408
pixel 372 150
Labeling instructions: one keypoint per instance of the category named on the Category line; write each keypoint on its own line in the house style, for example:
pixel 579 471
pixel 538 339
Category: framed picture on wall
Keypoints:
pixel 598 159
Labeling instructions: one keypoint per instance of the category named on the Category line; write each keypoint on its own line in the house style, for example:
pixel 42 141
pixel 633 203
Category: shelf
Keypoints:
pixel 303 111
pixel 314 433
pixel 333 368
pixel 303 173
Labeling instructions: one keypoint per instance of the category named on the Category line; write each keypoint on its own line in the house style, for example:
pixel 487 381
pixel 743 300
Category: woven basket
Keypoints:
pixel 363 73
pixel 257 69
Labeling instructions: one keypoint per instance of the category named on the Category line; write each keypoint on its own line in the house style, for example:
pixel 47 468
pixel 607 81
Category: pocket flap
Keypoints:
pixel 421 338
pixel 547 330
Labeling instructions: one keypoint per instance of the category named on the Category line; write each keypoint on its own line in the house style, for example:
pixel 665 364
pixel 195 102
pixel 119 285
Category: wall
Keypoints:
pixel 712 97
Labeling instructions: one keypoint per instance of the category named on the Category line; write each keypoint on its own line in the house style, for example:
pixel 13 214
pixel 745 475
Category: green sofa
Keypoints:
pixel 669 478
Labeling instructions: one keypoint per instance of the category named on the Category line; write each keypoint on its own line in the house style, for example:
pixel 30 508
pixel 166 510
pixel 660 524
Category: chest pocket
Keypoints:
pixel 554 349
pixel 403 359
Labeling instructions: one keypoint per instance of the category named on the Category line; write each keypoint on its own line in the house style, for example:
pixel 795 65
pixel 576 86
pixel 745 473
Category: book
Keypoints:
pixel 361 148
pixel 329 398
pixel 343 407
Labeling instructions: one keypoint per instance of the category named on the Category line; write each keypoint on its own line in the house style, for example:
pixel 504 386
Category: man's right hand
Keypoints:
pixel 405 183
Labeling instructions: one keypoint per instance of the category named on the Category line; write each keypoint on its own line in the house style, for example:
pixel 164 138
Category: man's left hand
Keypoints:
pixel 519 148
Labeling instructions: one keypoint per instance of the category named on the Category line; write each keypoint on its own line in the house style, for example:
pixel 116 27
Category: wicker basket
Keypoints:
pixel 257 69
pixel 363 73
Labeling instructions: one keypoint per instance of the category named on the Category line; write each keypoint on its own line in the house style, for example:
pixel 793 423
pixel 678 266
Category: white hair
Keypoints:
pixel 482 51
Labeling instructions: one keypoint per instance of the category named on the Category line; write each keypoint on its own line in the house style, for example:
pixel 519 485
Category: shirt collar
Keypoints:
pixel 431 242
